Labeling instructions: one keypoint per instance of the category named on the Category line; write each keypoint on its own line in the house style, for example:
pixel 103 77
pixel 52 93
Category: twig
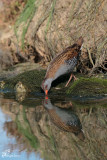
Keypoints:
pixel 20 55
pixel 102 66
pixel 39 24
pixel 90 58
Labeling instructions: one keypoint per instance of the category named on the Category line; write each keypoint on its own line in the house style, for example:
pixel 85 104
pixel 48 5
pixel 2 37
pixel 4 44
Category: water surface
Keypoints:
pixel 58 128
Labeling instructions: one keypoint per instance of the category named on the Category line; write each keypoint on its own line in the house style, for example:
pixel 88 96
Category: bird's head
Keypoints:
pixel 46 84
pixel 47 103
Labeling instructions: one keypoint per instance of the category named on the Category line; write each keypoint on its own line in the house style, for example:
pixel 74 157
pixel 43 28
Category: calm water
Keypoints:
pixel 35 127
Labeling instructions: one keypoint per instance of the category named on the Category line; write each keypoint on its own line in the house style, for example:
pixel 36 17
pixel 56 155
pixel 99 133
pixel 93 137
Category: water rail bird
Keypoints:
pixel 62 64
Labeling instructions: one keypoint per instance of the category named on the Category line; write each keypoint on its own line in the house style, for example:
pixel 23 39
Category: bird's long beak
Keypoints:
pixel 46 92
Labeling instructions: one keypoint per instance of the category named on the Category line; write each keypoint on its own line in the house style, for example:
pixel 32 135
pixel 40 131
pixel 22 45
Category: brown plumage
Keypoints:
pixel 64 119
pixel 62 64
pixel 62 125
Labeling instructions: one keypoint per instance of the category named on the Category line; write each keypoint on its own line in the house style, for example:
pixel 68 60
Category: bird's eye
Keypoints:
pixel 46 86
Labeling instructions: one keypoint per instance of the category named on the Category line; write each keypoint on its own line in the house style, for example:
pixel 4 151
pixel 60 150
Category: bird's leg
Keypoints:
pixel 70 79
pixel 75 78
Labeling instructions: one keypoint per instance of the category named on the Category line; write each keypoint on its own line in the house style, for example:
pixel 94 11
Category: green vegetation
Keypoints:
pixel 88 87
pixel 52 141
pixel 31 80
pixel 50 17
pixel 83 87
pixel 26 130
pixel 25 18
pixel 49 45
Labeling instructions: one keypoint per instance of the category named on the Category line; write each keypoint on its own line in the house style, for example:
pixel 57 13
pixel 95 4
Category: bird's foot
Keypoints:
pixel 70 79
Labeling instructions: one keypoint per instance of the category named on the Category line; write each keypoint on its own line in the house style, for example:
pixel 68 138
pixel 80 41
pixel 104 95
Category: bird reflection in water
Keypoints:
pixel 64 118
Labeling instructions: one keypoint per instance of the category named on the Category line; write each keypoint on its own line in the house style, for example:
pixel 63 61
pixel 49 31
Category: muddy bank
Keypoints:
pixel 18 69
pixel 88 87
pixel 46 28
pixel 30 81
pixel 6 59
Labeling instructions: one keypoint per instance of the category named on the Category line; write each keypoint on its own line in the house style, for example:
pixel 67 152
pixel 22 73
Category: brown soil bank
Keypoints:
pixel 30 81
pixel 45 28
pixel 57 24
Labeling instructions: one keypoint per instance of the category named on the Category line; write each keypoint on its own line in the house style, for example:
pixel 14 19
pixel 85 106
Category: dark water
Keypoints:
pixel 35 127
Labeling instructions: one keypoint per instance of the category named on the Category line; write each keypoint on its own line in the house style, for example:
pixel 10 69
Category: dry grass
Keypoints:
pixel 57 24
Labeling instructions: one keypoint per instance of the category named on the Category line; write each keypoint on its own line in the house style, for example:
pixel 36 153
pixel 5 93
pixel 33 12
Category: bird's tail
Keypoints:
pixel 80 41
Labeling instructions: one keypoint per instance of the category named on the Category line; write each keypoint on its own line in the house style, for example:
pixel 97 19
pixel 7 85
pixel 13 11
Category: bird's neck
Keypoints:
pixel 48 82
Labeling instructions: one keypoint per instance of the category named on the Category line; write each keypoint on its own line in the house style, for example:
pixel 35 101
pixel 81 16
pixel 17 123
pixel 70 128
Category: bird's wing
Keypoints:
pixel 59 60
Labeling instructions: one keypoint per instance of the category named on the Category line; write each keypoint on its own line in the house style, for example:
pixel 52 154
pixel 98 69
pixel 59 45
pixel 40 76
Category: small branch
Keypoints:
pixel 39 24
pixel 90 58
pixel 93 69
pixel 102 66
pixel 20 55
